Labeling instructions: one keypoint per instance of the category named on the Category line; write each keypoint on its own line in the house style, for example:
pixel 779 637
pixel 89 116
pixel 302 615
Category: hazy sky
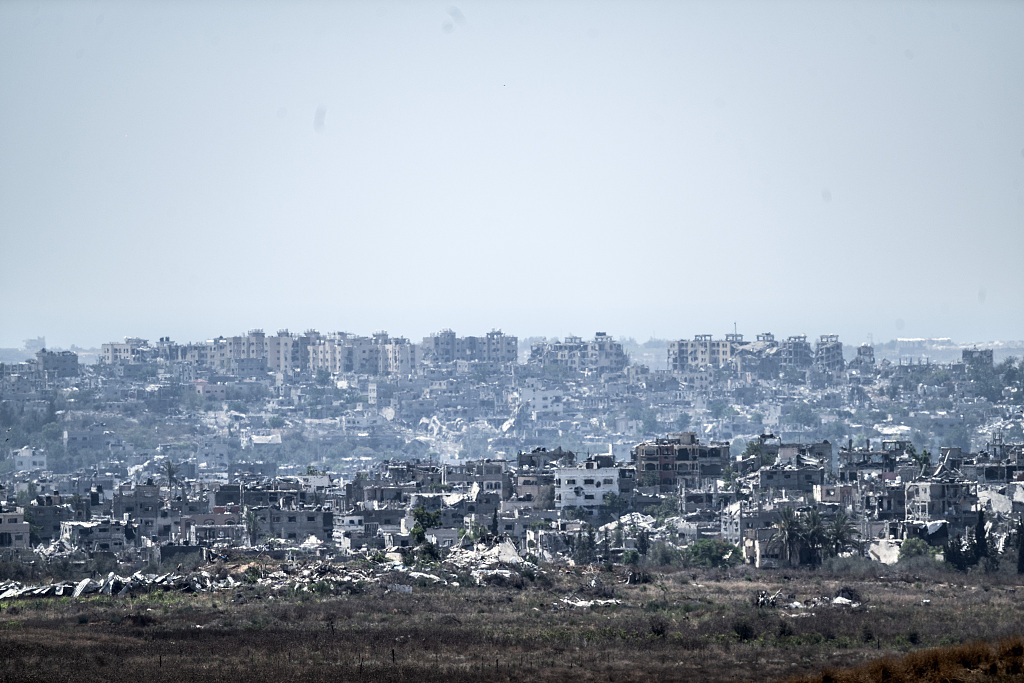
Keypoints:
pixel 642 168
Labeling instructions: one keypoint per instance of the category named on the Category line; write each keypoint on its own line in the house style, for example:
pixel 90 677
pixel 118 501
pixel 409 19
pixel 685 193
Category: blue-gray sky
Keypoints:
pixel 669 168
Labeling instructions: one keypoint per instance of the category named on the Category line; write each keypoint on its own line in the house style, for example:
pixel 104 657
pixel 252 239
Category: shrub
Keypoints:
pixel 914 547
pixel 743 629
pixel 713 553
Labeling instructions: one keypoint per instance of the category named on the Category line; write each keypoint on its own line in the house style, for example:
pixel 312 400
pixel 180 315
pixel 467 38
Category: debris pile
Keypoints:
pixel 327 575
pixel 845 597
pixel 119 585
pixel 330 575
pixel 576 602
pixel 484 564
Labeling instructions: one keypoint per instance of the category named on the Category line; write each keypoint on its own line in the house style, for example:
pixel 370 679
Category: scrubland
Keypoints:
pixel 679 625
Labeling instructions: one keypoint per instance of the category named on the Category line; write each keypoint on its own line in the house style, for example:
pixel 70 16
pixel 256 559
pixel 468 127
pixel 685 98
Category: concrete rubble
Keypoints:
pixel 845 597
pixel 576 602
pixel 482 563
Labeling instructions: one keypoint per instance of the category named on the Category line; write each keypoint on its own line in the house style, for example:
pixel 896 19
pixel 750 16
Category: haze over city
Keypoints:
pixel 643 169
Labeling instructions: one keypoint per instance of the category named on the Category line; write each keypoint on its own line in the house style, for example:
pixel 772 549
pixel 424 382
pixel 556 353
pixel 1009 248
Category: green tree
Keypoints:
pixel 618 538
pixel 426 520
pixel 788 532
pixel 668 507
pixel 812 534
pixel 713 553
pixel 494 523
pixel 585 546
pixel 980 545
pixel 575 512
pixel 643 542
pixel 651 478
pixel 956 555
pixel 914 547
pixel 615 504
pixel 682 422
pixel 922 459
pixel 840 535
pixel 756 448
pixel 428 552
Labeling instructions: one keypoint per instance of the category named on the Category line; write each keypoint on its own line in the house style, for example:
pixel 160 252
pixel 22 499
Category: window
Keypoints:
pixel 291 518
pixel 310 518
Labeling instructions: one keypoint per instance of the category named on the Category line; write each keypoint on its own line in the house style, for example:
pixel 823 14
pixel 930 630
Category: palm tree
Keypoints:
pixel 788 531
pixel 813 535
pixel 839 535
pixel 170 472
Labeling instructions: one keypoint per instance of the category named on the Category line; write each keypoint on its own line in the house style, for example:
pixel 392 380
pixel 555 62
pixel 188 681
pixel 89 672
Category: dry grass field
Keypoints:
pixel 682 625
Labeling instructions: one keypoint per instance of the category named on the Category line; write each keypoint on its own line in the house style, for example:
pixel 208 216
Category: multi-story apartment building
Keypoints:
pixel 828 353
pixel 29 459
pixel 342 353
pixel 588 484
pixel 133 350
pixel 296 523
pixel 945 498
pixel 100 535
pixel 492 476
pixel 398 357
pixel 741 516
pixel 791 478
pixel 865 357
pixel 795 352
pixel 14 530
pixel 495 347
pixel 702 351
pixel 57 363
pixel 141 503
pixel 440 347
pixel 679 460
pixel 601 354
pixel 284 353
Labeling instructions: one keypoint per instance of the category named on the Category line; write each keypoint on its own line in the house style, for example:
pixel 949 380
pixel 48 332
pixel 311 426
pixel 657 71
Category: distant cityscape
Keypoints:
pixel 339 443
